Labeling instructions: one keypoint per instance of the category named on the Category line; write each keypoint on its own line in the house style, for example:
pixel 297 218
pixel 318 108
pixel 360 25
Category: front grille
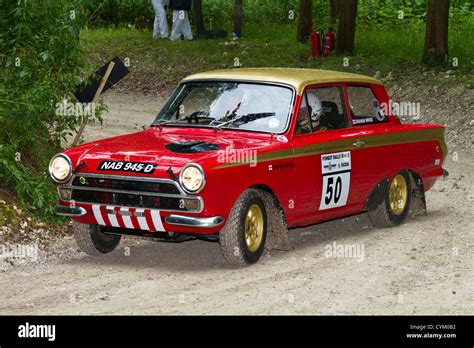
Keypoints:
pixel 126 185
pixel 132 192
pixel 128 200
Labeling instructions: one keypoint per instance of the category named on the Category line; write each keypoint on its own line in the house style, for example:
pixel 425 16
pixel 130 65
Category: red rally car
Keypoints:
pixel 240 156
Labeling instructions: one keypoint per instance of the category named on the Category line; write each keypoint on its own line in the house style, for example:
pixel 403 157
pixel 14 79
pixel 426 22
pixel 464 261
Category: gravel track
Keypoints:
pixel 422 267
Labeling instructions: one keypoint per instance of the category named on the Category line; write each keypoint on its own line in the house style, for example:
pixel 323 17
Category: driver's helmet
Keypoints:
pixel 315 106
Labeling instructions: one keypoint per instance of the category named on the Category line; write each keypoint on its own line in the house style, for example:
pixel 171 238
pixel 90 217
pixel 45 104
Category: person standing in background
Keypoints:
pixel 181 25
pixel 160 26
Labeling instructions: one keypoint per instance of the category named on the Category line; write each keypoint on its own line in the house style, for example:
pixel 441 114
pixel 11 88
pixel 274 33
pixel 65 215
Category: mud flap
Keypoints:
pixel 277 230
pixel 418 201
pixel 377 195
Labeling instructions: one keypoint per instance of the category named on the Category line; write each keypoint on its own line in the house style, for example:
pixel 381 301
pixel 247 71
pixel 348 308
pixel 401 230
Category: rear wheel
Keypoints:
pixel 92 241
pixel 243 237
pixel 393 210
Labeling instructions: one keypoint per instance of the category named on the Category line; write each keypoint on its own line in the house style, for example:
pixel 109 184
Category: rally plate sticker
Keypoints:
pixel 336 173
pixel 134 167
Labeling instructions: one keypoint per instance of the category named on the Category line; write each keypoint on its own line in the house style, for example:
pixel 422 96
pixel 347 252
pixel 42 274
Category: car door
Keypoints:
pixel 323 144
pixel 370 158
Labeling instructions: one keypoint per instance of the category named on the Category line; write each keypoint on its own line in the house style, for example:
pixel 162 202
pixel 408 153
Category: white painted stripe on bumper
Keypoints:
pixel 127 220
pixel 142 220
pixel 155 215
pixel 98 215
pixel 112 217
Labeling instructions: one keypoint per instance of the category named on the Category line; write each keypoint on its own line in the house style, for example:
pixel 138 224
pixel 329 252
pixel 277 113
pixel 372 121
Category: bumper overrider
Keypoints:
pixel 188 221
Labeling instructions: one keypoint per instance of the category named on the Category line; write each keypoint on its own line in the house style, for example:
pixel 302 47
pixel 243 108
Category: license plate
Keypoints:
pixel 134 167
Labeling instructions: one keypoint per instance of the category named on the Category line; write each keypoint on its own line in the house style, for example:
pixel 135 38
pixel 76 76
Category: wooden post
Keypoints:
pixel 436 35
pixel 334 8
pixel 238 17
pixel 96 97
pixel 305 20
pixel 346 26
pixel 198 18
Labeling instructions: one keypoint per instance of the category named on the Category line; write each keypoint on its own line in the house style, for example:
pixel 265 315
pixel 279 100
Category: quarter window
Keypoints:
pixel 365 108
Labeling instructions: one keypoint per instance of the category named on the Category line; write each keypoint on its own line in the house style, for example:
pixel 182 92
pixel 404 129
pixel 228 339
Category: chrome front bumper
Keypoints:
pixel 180 220
pixel 69 211
pixel 177 220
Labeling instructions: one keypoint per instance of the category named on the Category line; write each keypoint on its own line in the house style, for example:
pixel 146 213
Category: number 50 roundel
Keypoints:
pixel 336 172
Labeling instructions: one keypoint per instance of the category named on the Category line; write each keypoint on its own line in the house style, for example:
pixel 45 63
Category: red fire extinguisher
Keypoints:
pixel 328 45
pixel 315 38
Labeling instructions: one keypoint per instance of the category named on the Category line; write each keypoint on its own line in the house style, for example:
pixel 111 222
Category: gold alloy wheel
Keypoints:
pixel 254 228
pixel 397 194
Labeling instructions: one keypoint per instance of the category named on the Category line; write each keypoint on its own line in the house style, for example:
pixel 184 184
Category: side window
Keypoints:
pixel 365 108
pixel 303 125
pixel 322 109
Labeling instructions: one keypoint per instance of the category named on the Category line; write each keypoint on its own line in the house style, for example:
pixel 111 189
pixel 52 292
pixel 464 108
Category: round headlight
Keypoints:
pixel 192 178
pixel 60 168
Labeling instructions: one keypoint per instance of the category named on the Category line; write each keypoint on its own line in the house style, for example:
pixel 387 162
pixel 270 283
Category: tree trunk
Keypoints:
pixel 238 17
pixel 305 20
pixel 347 26
pixel 334 9
pixel 436 36
pixel 198 19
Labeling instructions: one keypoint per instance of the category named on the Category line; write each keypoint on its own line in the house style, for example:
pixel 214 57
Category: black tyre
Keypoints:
pixel 92 241
pixel 243 237
pixel 393 210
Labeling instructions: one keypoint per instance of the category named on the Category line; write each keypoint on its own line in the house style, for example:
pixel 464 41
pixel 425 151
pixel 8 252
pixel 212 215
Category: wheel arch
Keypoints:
pixel 418 201
pixel 277 234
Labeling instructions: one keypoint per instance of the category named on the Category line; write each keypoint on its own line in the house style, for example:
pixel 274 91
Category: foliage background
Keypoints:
pixel 382 39
pixel 218 13
pixel 40 63
pixel 56 50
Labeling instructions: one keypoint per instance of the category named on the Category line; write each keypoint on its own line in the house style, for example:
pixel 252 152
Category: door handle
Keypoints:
pixel 358 143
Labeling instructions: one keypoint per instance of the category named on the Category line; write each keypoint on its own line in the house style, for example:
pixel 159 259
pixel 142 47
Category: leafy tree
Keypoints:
pixel 40 65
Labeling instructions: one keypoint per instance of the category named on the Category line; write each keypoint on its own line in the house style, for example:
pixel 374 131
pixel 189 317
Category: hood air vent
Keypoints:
pixel 192 147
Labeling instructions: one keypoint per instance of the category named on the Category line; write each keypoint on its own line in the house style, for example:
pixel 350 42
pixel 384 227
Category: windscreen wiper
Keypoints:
pixel 161 124
pixel 247 118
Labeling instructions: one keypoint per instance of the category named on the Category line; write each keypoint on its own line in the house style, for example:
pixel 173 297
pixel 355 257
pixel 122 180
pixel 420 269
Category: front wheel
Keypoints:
pixel 92 241
pixel 393 210
pixel 243 237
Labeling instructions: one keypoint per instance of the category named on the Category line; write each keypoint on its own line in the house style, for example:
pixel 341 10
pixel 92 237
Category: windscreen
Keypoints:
pixel 235 105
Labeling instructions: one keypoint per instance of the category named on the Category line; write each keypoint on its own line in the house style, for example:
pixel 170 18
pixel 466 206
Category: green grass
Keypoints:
pixel 397 50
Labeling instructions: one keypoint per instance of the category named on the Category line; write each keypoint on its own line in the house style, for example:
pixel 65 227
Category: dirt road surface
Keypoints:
pixel 422 267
